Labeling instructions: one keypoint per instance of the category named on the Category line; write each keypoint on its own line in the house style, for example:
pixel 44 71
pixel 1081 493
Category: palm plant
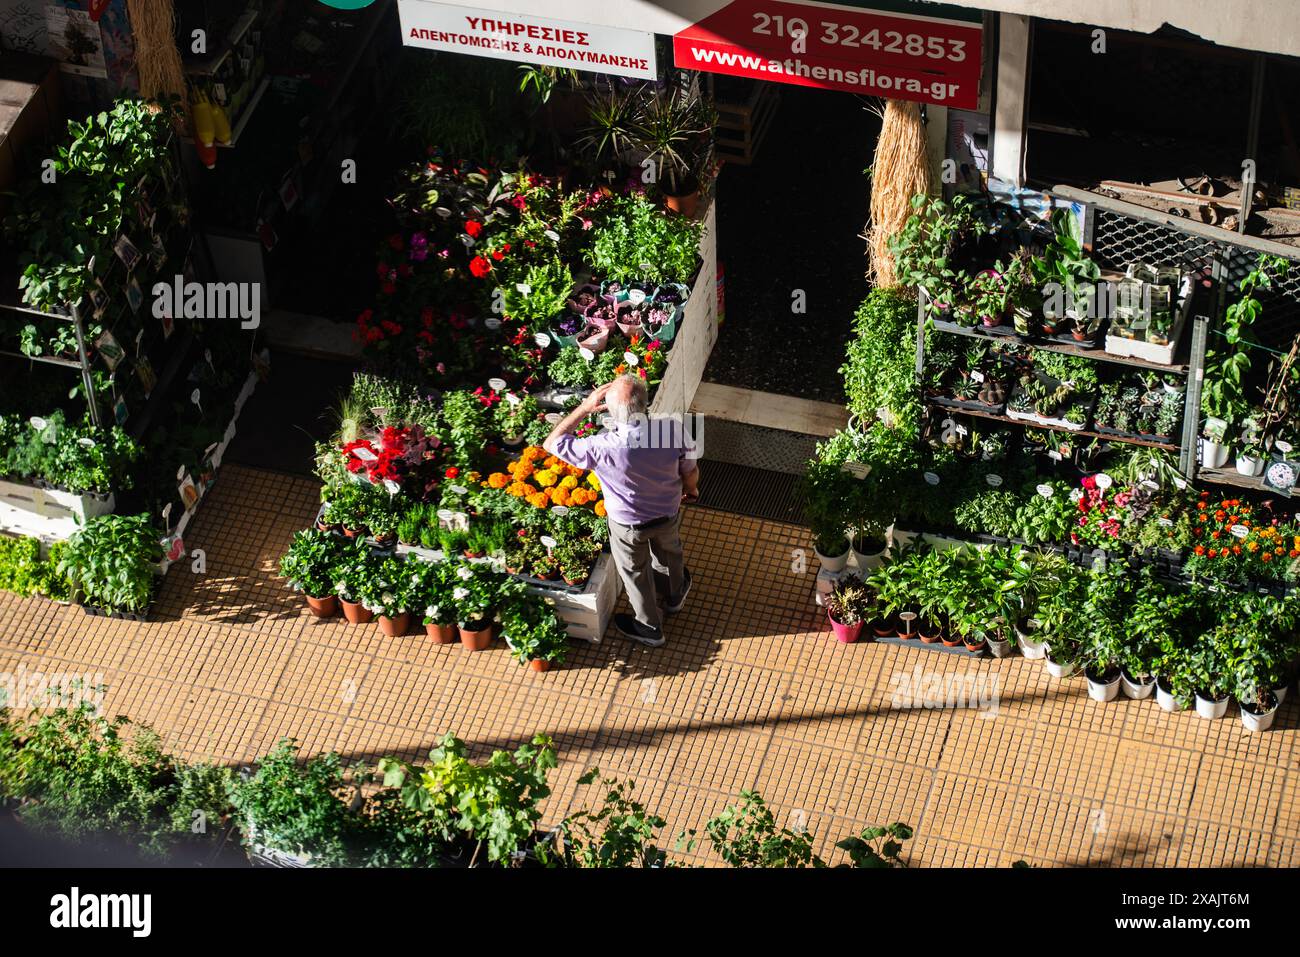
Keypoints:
pixel 676 133
pixel 612 132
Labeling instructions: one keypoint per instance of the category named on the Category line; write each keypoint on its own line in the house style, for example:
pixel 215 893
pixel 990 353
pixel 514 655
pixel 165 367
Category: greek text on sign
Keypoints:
pixel 525 39
pixel 929 59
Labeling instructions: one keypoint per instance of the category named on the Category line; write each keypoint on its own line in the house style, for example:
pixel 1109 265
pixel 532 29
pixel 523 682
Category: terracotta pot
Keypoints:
pixel 575 582
pixel 973 645
pixel 885 628
pixel 441 634
pixel 355 612
pixel 326 607
pixel 537 664
pixel 688 204
pixel 395 627
pixel 351 532
pixel 950 641
pixel 476 640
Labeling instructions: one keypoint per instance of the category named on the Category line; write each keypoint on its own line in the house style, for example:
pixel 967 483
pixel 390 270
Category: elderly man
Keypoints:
pixel 647 469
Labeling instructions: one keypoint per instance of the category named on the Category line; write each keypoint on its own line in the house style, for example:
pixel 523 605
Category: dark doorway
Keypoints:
pixel 792 221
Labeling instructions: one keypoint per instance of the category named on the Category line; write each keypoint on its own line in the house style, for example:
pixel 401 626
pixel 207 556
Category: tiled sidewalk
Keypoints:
pixel 751 691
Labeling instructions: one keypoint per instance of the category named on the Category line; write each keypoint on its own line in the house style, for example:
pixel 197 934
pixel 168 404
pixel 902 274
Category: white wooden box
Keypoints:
pixel 697 330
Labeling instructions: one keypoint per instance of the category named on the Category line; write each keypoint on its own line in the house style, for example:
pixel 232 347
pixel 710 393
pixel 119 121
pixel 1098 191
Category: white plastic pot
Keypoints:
pixel 1281 692
pixel 867 561
pixel 1167 700
pixel 1029 646
pixel 1213 455
pixel 1106 690
pixel 1250 465
pixel 1209 708
pixel 1257 722
pixel 1136 690
pixel 1060 669
pixel 999 647
pixel 832 563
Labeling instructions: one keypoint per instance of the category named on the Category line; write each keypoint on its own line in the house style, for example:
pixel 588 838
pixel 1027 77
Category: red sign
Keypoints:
pixel 838 48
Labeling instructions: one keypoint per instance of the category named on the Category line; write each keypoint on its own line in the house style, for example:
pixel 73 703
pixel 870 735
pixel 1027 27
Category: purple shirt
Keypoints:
pixel 640 466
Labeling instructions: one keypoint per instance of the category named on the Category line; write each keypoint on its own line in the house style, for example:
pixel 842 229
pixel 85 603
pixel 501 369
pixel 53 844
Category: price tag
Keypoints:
pixel 548 542
pixel 552 235
pixel 497 385
pixel 1151 484
pixel 37 423
pixel 460 519
pixel 542 339
pixel 1165 522
pixel 859 470
pixel 931 478
pixel 586 353
pixel 1054 455
pixel 636 296
pixel 1282 446
pixel 1239 531
pixel 630 358
pixel 512 398
pixel 1104 481
pixel 364 454
pixel 976 375
pixel 993 479
pixel 86 442
pixel 1180 483
pixel 1046 491
pixel 444 514
pixel 560 510
pixel 524 288
pixel 553 418
pixel 393 487
pixel 647 267
pixel 459 489
pixel 379 410
pixel 492 323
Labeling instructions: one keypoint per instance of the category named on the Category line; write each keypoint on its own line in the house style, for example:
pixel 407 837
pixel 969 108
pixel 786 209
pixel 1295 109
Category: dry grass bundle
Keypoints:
pixel 901 170
pixel 157 61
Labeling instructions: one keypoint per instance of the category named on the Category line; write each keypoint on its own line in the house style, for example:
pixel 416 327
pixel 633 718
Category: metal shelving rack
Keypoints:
pixel 1116 233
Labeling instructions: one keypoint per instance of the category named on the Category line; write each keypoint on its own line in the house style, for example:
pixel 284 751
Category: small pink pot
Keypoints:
pixel 594 338
pixel 846 634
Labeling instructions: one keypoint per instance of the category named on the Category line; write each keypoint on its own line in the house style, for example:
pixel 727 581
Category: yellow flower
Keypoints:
pixel 595 483
pixel 568 482
pixel 545 478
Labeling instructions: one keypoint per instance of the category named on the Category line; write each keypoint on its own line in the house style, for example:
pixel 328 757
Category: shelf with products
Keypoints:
pixel 1085 433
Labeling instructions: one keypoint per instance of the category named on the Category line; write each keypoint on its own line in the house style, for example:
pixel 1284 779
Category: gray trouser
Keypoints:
pixel 646 558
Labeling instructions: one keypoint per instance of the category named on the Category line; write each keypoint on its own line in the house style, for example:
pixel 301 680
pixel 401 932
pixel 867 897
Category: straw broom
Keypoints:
pixel 157 61
pixel 900 171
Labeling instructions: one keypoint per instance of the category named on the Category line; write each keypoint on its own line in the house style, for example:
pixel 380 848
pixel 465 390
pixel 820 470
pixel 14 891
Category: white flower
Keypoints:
pixel 463 573
pixel 1076 495
pixel 460 594
pixel 431 611
pixel 387 598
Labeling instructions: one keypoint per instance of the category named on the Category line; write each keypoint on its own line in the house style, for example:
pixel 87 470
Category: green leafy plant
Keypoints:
pixel 746 835
pixel 621 833
pixel 876 847
pixel 113 561
pixel 637 241
pixel 311 562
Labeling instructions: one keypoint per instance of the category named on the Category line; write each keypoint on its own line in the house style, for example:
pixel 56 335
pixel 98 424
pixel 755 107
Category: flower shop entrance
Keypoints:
pixel 789 225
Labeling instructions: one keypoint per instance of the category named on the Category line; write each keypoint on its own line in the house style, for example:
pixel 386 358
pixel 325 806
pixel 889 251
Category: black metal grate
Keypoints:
pixel 743 490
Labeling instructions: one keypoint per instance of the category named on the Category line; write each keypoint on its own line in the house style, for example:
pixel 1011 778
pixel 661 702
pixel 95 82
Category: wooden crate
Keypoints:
pixel 741 127
pixel 587 613
pixel 47 514
pixel 696 333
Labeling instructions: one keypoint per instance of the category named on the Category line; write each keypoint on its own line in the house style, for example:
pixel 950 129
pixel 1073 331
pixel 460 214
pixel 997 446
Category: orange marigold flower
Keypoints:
pixel 1266 557
pixel 600 509
pixel 498 480
pixel 518 489
pixel 538 500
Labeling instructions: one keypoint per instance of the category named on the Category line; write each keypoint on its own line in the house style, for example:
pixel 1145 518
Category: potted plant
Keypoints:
pixel 1251 454
pixel 988 298
pixel 112 564
pixel 848 605
pixel 534 634
pixel 868 543
pixel 1207 667
pixel 1062 653
pixel 309 566
pixel 676 132
pixel 1102 620
pixel 431 589
pixel 477 592
pixel 1214 443
pixel 574 558
pixel 353 579
pixel 1151 616
pixel 389 596
pixel 512 416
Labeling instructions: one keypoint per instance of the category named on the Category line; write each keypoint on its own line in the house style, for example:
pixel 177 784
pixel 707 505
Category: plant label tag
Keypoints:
pixel 931 478
pixel 364 454
pixel 444 515
pixel 524 288
pixel 1054 455
pixel 1165 522
pixel 497 385
pixel 459 489
pixel 636 296
pixel 37 423
pixel 548 542
pixel 167 512
pixel 393 487
pixel 560 510
pixel 961 430
pixel 1239 531
pixel 976 375
pixel 1045 491
pixel 586 353
pixel 180 474
pixel 647 267
pixel 552 235
pixel 380 411
pixel 460 520
pixel 442 211
pixel 542 339
pixel 553 418
pixel 1180 484
pixel 1282 446
pixel 194 396
pixel 1151 484
pixel 630 358
pixel 993 479
pixel 858 470
pixel 1104 481
pixel 86 442
pixel 492 323
pixel 512 398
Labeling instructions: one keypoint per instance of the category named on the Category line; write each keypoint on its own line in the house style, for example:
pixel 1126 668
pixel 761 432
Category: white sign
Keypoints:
pixel 586 353
pixel 931 478
pixel 548 542
pixel 1045 491
pixel 993 479
pixel 496 385
pixel 542 339
pixel 525 39
pixel 1103 481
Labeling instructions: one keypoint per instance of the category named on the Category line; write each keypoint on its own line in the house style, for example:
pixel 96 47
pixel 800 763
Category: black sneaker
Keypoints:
pixel 629 627
pixel 674 607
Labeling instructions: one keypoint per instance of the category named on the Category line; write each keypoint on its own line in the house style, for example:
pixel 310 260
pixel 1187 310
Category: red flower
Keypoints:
pixel 474 227
pixel 452 472
pixel 519 203
pixel 479 266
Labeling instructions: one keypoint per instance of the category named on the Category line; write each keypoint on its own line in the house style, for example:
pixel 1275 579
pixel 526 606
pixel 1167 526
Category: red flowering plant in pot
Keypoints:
pixel 1106 516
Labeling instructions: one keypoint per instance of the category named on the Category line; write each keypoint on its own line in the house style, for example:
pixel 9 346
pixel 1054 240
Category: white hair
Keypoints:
pixel 622 410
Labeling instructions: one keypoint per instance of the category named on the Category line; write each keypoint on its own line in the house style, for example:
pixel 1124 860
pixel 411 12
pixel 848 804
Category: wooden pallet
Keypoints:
pixel 741 127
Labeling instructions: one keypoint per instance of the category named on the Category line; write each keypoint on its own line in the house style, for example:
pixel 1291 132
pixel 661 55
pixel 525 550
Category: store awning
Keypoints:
pixel 1270 26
